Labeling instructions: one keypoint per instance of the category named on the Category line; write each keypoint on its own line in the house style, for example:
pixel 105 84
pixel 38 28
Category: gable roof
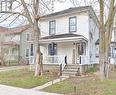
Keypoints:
pixel 17 30
pixel 67 11
pixel 72 10
pixel 3 29
pixel 14 30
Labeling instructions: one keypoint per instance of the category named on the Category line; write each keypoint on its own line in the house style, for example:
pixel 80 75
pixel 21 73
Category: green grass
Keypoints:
pixel 23 78
pixel 88 85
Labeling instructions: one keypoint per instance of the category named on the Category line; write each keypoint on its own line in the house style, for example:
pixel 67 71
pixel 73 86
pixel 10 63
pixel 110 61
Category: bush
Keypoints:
pixel 91 70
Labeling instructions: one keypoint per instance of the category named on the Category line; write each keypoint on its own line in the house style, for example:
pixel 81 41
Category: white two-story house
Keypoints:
pixel 70 34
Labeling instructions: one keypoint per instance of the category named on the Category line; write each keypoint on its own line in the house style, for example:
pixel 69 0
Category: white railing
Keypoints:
pixel 12 57
pixel 83 59
pixel 57 60
pixel 63 63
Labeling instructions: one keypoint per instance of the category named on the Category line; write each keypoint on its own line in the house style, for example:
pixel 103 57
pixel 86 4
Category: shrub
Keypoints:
pixel 91 70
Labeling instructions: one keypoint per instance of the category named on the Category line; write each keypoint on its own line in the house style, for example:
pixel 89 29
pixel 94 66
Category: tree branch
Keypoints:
pixel 10 12
pixel 27 12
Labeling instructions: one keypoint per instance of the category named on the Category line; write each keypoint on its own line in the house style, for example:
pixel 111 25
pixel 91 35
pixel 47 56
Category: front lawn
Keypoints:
pixel 23 78
pixel 88 85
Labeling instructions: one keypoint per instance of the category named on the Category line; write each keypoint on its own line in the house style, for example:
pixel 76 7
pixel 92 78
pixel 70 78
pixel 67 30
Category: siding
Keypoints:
pixel 62 25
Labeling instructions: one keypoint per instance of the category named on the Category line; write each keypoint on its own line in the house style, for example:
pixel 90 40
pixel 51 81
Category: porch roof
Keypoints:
pixel 10 43
pixel 63 38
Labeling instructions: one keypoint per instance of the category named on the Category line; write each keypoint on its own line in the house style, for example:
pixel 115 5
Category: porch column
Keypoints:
pixel 77 53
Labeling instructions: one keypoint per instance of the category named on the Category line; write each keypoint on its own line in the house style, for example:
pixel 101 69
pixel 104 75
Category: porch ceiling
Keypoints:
pixel 63 38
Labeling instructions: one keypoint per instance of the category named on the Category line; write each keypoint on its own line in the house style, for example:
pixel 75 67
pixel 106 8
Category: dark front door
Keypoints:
pixel 52 49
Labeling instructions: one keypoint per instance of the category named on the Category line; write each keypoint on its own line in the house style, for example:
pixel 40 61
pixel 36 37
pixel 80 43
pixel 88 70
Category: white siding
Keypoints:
pixel 62 25
pixel 94 36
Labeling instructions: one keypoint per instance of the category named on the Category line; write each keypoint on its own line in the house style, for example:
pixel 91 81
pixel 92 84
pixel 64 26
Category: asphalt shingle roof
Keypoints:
pixel 61 36
pixel 70 10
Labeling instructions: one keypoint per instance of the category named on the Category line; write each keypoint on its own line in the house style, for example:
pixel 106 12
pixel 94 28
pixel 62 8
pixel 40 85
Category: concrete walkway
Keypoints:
pixel 50 83
pixel 8 90
pixel 2 69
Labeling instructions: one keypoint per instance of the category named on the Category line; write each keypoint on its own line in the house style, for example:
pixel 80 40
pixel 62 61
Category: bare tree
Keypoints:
pixel 107 10
pixel 29 11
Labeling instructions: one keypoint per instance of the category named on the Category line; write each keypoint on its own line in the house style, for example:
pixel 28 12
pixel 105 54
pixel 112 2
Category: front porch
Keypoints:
pixel 65 51
pixel 74 52
pixel 12 54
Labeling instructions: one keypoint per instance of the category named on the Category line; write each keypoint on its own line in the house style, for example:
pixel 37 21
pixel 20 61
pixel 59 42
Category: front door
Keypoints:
pixel 80 50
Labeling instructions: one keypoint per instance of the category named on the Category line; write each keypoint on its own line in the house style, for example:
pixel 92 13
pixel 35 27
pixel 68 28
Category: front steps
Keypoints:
pixel 71 70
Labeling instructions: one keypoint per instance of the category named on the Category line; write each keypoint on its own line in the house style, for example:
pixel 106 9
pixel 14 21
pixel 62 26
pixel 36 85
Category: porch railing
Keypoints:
pixel 56 60
pixel 12 57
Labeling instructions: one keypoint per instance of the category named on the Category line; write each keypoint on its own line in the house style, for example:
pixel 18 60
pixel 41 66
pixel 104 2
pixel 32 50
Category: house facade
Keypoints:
pixel 70 34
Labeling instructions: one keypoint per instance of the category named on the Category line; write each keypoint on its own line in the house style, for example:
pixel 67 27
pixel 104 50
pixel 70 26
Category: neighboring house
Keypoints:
pixel 112 52
pixel 70 35
pixel 18 43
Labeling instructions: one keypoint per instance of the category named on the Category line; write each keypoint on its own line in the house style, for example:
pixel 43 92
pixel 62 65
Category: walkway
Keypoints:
pixel 8 90
pixel 51 83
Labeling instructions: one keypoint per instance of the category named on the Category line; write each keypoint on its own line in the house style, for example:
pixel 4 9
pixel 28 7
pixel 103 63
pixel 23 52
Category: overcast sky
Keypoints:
pixel 57 7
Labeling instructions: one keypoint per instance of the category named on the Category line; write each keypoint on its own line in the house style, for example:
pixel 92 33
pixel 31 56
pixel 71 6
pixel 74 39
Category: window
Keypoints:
pixel 72 24
pixel 31 50
pixel 52 26
pixel 52 49
pixel 28 37
pixel 27 52
pixel 14 51
pixel 6 5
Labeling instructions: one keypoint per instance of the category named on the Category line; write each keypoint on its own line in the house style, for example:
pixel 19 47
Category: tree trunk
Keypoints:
pixel 37 67
pixel 38 62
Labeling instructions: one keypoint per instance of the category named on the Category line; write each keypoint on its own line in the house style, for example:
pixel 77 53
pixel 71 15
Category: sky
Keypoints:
pixel 61 6
pixel 58 6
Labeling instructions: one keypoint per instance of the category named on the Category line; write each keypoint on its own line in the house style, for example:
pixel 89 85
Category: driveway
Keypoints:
pixel 8 90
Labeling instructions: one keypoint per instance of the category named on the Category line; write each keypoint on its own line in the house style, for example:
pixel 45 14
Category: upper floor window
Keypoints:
pixel 52 26
pixel 72 24
pixel 6 5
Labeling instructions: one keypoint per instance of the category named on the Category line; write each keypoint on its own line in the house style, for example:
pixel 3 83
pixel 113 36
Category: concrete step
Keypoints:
pixel 72 67
pixel 70 70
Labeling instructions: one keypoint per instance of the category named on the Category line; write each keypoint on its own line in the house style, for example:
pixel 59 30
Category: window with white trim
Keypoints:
pixel 6 5
pixel 28 37
pixel 27 52
pixel 52 27
pixel 72 24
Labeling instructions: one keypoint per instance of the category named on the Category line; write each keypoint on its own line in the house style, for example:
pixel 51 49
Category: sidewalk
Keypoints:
pixel 2 69
pixel 8 90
